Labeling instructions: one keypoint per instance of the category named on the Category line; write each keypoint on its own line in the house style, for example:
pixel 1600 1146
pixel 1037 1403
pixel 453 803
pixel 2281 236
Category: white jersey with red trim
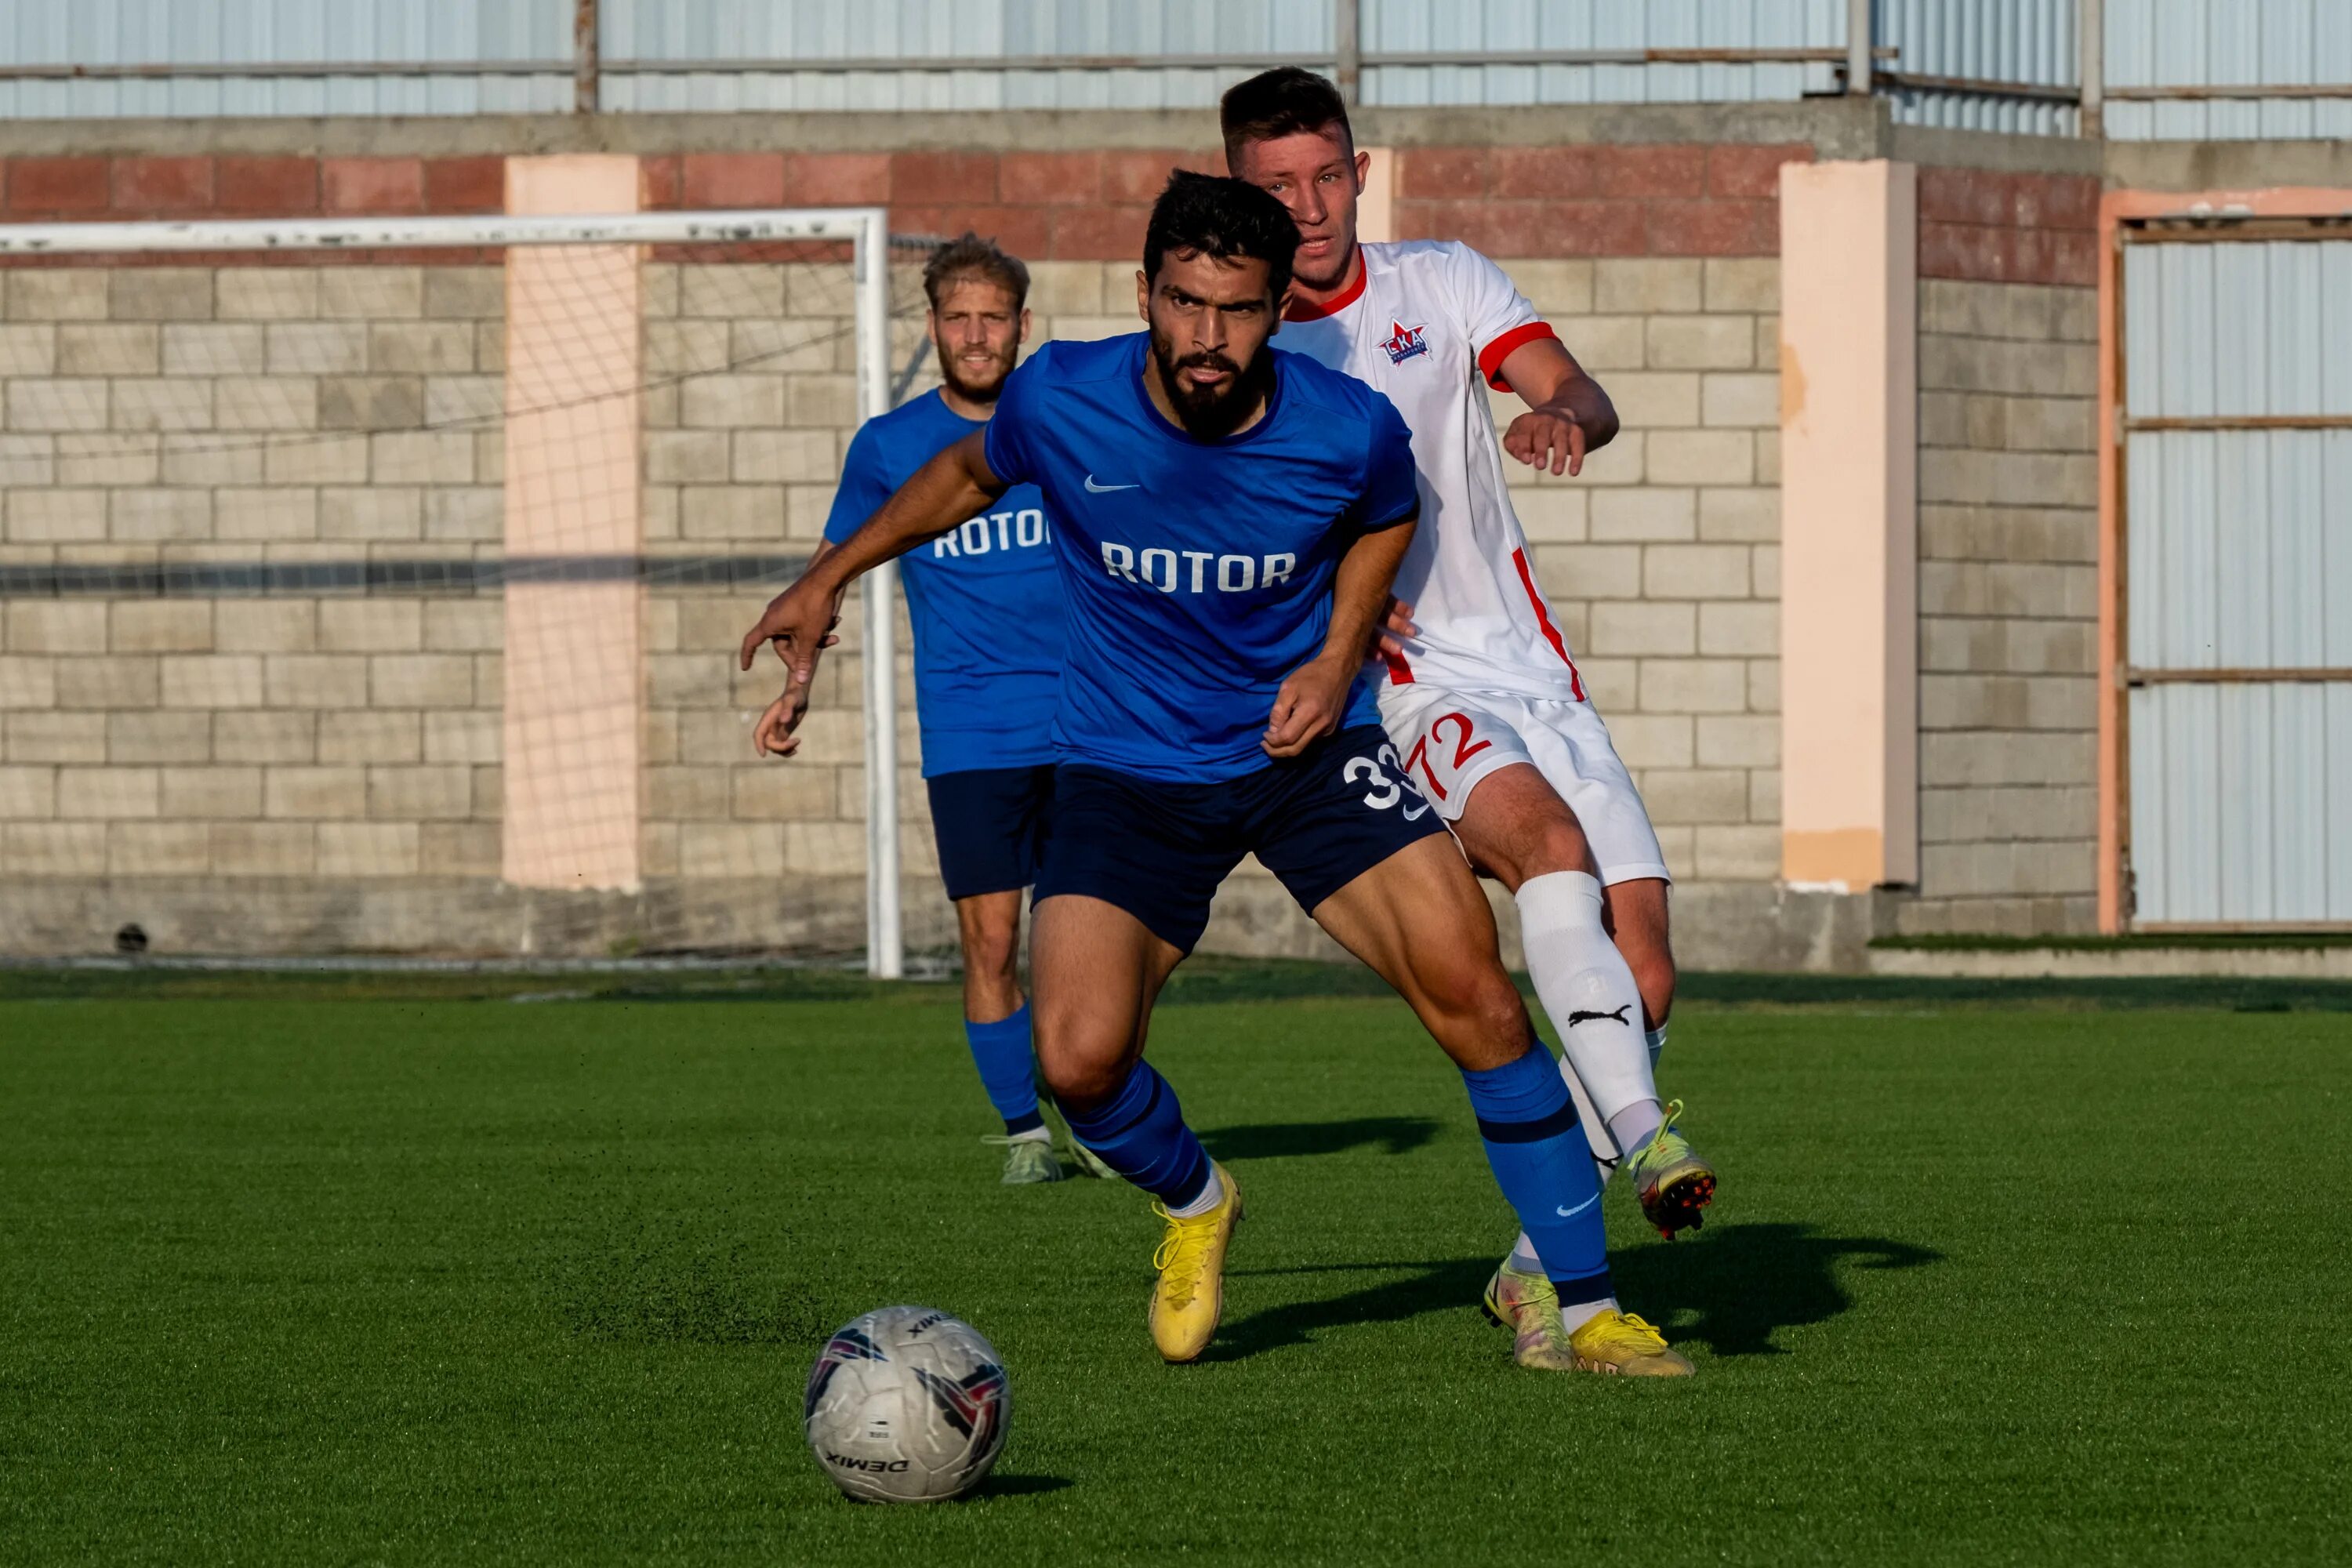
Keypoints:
pixel 1430 323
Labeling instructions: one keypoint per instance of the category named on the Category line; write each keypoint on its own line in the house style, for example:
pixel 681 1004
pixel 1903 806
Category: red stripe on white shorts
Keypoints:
pixel 1543 619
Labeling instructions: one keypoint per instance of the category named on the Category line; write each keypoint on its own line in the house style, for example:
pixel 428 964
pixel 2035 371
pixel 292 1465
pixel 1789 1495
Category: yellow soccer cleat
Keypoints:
pixel 1621 1345
pixel 1670 1181
pixel 1191 1290
pixel 1529 1306
pixel 1613 1343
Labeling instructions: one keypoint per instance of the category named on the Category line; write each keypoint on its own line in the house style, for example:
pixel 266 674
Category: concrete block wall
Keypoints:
pixel 187 426
pixel 1662 561
pixel 2007 554
pixel 344 748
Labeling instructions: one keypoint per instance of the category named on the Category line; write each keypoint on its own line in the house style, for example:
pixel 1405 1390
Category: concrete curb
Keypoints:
pixel 2115 963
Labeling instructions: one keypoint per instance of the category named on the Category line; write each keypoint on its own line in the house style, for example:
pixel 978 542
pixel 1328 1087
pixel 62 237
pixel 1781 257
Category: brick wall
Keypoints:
pixel 350 414
pixel 2007 553
pixel 187 424
pixel 1663 561
pixel 1588 200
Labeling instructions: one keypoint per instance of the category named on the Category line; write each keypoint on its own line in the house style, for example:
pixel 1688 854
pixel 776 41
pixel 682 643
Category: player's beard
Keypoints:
pixel 1211 413
pixel 954 375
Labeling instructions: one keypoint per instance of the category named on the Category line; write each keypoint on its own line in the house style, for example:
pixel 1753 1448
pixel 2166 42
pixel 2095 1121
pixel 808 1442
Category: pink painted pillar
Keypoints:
pixel 574 529
pixel 1849 509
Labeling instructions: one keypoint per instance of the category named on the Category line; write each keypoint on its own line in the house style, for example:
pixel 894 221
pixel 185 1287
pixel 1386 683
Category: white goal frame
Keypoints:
pixel 867 229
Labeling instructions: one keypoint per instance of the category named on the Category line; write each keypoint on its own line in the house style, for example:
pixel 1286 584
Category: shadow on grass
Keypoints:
pixel 1019 1486
pixel 1277 1140
pixel 1430 1287
pixel 1731 1291
pixel 1733 1288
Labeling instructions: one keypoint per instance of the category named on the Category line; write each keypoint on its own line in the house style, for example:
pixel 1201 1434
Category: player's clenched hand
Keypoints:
pixel 1309 706
pixel 1389 638
pixel 799 622
pixel 1545 439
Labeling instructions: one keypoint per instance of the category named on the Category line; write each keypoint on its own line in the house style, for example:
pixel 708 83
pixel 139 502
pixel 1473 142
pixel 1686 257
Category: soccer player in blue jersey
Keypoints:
pixel 985 599
pixel 1227 520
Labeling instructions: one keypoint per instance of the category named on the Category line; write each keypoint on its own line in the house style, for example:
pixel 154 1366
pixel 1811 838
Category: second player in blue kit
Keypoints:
pixel 1228 519
pixel 985 601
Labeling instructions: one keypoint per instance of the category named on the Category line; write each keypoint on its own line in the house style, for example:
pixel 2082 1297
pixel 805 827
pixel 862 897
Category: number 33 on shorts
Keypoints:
pixel 1389 782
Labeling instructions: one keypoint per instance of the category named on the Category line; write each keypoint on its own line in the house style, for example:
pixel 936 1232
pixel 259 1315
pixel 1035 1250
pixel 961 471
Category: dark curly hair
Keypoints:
pixel 1209 215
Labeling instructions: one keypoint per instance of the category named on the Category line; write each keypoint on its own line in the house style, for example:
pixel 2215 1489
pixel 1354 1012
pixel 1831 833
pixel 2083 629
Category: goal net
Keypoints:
pixel 374 586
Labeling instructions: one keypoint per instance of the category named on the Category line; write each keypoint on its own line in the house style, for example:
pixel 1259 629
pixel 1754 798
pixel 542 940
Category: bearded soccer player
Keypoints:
pixel 1227 520
pixel 1481 692
pixel 985 602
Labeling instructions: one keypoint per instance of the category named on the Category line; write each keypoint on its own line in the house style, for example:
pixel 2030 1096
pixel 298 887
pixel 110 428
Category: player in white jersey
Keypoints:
pixel 1482 694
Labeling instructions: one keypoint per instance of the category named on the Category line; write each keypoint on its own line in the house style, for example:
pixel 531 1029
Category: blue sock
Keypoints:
pixel 1544 1168
pixel 1000 1051
pixel 1140 1133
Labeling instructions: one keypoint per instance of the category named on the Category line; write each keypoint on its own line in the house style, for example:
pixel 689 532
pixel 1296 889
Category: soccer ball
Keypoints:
pixel 907 1405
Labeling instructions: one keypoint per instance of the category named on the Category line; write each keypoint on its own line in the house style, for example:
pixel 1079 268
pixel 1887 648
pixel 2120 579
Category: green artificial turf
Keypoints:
pixel 301 1280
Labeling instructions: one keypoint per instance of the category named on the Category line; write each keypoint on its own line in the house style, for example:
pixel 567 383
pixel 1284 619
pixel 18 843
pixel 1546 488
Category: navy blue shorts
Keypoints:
pixel 991 827
pixel 1317 821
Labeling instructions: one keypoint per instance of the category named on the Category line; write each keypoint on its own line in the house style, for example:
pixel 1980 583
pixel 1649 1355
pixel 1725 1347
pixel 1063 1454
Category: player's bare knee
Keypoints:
pixel 1472 1009
pixel 1557 844
pixel 1083 1074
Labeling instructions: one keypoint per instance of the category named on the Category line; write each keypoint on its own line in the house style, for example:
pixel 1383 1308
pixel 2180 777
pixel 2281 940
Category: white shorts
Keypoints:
pixel 1449 740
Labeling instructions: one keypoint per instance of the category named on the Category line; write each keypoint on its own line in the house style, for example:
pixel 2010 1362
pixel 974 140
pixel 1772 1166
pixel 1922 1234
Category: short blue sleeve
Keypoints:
pixel 1392 484
pixel 1006 446
pixel 865 486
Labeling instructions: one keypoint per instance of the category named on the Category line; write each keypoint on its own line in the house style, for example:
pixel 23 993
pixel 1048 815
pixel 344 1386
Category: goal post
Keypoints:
pixel 74 411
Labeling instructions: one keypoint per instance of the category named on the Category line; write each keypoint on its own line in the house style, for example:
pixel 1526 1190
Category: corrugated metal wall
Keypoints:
pixel 150 32
pixel 1947 33
pixel 974 30
pixel 2149 44
pixel 1408 26
pixel 2033 42
pixel 2239 553
pixel 2209 43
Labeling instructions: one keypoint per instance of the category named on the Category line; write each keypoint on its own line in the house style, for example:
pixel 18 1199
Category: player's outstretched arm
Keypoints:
pixel 1315 696
pixel 1567 413
pixel 944 491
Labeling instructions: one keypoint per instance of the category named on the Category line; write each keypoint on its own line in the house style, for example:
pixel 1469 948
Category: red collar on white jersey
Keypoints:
pixel 1309 310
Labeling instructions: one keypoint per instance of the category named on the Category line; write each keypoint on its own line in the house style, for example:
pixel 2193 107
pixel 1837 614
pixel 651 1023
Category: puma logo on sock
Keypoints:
pixel 1616 1013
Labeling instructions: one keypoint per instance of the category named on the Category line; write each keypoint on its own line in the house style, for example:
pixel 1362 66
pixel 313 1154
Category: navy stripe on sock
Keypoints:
pixel 1579 1288
pixel 1159 1086
pixel 1543 1127
pixel 1028 1124
pixel 1192 1185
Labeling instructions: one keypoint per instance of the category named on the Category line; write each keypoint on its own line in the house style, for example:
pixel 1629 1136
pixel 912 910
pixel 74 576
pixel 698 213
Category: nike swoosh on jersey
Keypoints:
pixel 1095 489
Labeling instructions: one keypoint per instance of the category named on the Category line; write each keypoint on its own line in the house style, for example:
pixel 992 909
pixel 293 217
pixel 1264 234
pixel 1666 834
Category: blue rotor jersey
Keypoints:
pixel 985 601
pixel 1197 574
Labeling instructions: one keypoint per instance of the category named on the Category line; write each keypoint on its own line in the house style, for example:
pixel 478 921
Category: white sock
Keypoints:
pixel 1591 995
pixel 1656 1040
pixel 1596 1126
pixel 1575 1315
pixel 1210 1197
pixel 1035 1135
pixel 1636 1124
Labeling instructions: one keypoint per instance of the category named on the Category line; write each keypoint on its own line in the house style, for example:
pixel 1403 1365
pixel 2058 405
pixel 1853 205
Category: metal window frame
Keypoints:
pixel 2151 217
